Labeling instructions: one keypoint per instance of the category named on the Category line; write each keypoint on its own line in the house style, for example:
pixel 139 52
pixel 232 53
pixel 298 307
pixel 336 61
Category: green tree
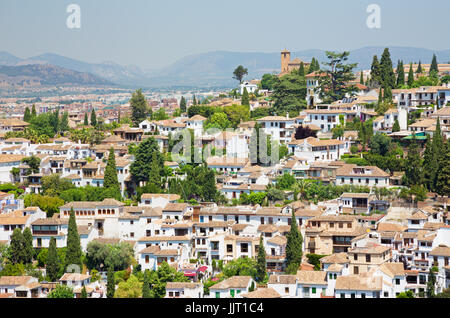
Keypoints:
pixel 33 111
pixel 396 126
pixel 261 272
pixel 413 173
pixel 268 81
pixel 142 165
pixel 410 76
pixel 218 120
pixel 93 118
pixel 139 107
pixel 431 283
pixel 361 78
pixel 52 267
pixel 293 247
pixel 400 74
pixel 406 294
pixel 110 179
pixel 73 255
pixel 289 93
pixel 443 175
pixel 245 99
pixel 239 73
pixel 434 66
pixel 33 162
pixel 183 104
pixel 27 115
pixel 17 252
pixel 61 291
pixel 375 71
pixel 84 292
pixel 335 85
pixel 86 119
pixel 146 286
pixel 28 245
pixel 301 69
pixel 64 124
pixel 387 75
pixel 419 68
pixel 110 284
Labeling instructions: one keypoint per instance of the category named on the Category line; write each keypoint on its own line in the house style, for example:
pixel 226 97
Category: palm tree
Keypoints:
pixel 300 188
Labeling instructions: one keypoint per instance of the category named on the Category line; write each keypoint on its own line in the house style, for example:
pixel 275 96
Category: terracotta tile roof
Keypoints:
pixel 358 282
pixel 282 279
pixel 14 280
pixel 233 282
pixel 262 293
pixel 182 285
pixel 441 251
pixel 311 277
pixel 277 240
pixel 74 277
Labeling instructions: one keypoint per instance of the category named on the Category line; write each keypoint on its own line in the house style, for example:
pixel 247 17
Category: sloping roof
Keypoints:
pixel 441 251
pixel 393 269
pixel 233 282
pixel 182 285
pixel 311 277
pixel 14 280
pixel 262 293
pixel 358 282
pixel 282 279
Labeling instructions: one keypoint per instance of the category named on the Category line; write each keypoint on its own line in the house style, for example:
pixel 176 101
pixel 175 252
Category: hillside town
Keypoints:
pixel 318 181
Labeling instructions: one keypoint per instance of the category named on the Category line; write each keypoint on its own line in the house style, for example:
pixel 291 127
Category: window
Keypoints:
pixel 363 295
pixel 131 234
pixel 397 281
pixel 356 270
pixel 341 225
pixel 286 290
pixel 313 290
pixel 244 248
pixel 147 258
pixel 386 294
pixel 229 248
pixel 355 257
pixel 342 295
pixel 368 258
pixel 353 295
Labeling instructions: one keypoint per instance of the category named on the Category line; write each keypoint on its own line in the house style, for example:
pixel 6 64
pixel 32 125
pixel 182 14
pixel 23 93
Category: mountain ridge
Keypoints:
pixel 215 68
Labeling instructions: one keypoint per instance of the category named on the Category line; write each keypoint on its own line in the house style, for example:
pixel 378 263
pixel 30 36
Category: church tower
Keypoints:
pixel 285 59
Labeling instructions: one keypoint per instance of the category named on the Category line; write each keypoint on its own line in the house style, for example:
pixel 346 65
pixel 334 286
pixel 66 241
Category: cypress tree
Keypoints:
pixel 28 245
pixel 429 164
pixel 194 101
pixel 93 118
pixel 361 79
pixel 139 107
pixel 86 120
pixel 110 283
pixel 434 65
pixel 183 104
pixel 110 179
pixel 400 74
pixel 438 154
pixel 73 254
pixel 33 111
pixel 154 176
pixel 419 68
pixel 17 253
pixel 245 98
pixel 410 76
pixel 413 167
pixel 387 96
pixel 396 126
pixel 261 262
pixel 387 71
pixel 443 177
pixel 375 72
pixel 27 115
pixel 301 70
pixel 52 266
pixel 84 292
pixel 293 247
pixel 146 286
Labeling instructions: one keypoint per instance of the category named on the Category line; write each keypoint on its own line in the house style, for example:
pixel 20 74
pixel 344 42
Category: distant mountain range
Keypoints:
pixel 212 69
pixel 33 75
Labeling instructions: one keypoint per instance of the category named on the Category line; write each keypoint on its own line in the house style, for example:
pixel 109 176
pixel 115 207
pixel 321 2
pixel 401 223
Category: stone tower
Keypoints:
pixel 285 59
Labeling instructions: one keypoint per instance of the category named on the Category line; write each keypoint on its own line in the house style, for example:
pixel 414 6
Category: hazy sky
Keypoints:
pixel 153 34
